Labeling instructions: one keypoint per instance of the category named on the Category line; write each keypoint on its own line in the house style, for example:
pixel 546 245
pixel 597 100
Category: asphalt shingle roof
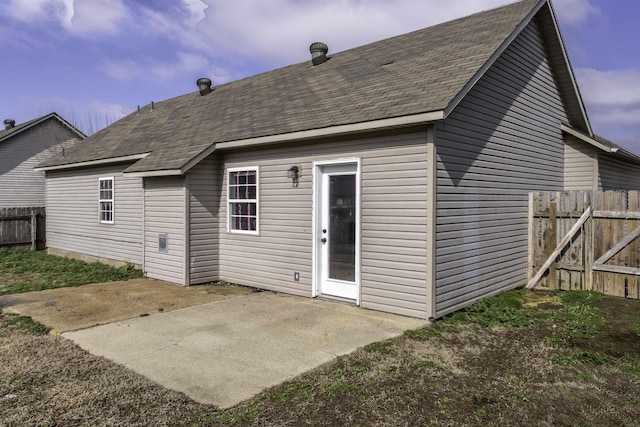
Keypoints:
pixel 8 133
pixel 414 73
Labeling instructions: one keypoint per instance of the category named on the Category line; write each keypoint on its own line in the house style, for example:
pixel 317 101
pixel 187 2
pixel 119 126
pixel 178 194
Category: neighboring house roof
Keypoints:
pixel 5 134
pixel 413 78
pixel 610 148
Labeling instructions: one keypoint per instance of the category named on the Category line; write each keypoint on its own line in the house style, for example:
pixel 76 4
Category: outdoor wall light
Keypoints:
pixel 293 173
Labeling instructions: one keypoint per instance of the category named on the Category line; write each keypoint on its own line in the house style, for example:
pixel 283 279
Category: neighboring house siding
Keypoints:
pixel 204 204
pixel 394 217
pixel 165 212
pixel 617 175
pixel 502 141
pixel 580 161
pixel 20 185
pixel 72 214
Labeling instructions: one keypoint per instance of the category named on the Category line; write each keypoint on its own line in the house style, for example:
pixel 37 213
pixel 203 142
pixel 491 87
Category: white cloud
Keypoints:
pixel 38 10
pixel 128 69
pixel 613 102
pixel 97 16
pixel 574 12
pixel 279 31
pixel 610 88
pixel 186 63
pixel 76 16
pixel 120 70
pixel 195 10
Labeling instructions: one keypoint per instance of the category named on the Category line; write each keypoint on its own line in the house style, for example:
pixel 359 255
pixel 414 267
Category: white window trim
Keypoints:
pixel 257 200
pixel 112 200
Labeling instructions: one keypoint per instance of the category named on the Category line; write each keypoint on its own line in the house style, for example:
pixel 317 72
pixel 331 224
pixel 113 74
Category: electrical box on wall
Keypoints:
pixel 296 276
pixel 163 242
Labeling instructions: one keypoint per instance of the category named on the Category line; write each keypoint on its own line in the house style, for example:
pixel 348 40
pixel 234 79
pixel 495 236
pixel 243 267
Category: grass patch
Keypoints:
pixel 505 310
pixel 578 321
pixel 427 365
pixel 634 324
pixel 340 386
pixel 378 346
pixel 293 391
pixel 582 357
pixel 574 298
pixel 425 333
pixel 26 324
pixel 26 271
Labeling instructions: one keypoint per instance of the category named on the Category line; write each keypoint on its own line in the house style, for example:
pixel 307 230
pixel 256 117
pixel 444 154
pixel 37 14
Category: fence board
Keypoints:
pixel 616 215
pixel 16 227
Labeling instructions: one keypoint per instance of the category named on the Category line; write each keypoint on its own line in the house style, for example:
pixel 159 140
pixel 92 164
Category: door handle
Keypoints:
pixel 323 240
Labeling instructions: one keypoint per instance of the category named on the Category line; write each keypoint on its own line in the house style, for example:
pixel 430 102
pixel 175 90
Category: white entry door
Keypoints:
pixel 337 228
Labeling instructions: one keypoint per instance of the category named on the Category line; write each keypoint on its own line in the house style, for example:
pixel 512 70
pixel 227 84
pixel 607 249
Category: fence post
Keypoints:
pixel 34 230
pixel 550 244
pixel 531 246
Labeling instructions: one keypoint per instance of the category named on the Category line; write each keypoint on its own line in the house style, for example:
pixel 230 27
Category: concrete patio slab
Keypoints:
pixel 225 352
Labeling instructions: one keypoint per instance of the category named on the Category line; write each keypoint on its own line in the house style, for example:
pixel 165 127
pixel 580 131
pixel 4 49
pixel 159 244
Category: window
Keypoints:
pixel 105 200
pixel 243 200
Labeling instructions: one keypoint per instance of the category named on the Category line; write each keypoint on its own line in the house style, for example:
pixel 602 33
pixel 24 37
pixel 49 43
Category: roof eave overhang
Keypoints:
pixel 586 138
pixel 613 151
pixel 148 174
pixel 341 130
pixel 93 162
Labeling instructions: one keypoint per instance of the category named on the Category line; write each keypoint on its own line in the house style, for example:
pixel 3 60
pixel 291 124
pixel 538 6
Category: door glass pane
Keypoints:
pixel 342 227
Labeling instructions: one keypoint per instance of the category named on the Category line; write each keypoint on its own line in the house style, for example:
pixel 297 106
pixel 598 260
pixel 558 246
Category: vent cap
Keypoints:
pixel 318 53
pixel 9 123
pixel 204 85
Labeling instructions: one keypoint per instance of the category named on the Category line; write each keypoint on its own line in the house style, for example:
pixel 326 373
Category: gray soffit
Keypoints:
pixel 419 74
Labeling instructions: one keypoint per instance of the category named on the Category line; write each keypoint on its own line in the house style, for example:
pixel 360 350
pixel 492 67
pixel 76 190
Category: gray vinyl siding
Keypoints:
pixel 580 162
pixel 204 230
pixel 393 222
pixel 617 175
pixel 73 223
pixel 20 185
pixel 502 141
pixel 165 212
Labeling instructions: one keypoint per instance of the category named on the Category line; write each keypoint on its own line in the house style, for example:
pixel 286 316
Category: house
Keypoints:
pixel 597 164
pixel 24 146
pixel 394 175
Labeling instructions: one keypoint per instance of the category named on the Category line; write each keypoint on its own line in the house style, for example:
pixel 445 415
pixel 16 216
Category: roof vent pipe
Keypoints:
pixel 318 53
pixel 204 86
pixel 9 123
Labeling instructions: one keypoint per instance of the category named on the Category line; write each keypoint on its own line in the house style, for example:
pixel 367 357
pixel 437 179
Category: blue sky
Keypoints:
pixel 94 61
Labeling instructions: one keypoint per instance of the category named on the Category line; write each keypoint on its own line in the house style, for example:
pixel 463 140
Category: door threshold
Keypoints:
pixel 334 298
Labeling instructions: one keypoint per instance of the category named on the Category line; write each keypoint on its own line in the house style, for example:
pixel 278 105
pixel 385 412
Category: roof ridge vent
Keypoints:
pixel 318 53
pixel 9 124
pixel 204 85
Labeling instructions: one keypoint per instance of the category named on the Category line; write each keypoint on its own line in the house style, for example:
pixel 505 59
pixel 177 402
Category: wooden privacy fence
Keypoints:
pixel 585 240
pixel 22 226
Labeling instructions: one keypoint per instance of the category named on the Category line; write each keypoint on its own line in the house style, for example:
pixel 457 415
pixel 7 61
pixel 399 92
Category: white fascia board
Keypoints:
pixel 394 122
pixel 147 174
pixel 574 82
pixel 94 162
pixel 586 138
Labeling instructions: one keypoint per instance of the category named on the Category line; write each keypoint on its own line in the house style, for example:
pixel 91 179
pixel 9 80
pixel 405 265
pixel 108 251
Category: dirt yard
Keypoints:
pixel 520 359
